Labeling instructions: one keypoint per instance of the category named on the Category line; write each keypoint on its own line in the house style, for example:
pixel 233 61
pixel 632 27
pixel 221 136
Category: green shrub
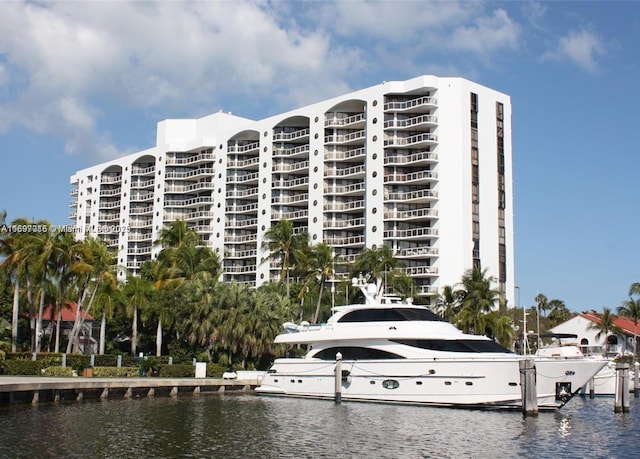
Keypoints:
pixel 58 371
pixel 115 372
pixel 215 370
pixel 177 371
pixel 21 367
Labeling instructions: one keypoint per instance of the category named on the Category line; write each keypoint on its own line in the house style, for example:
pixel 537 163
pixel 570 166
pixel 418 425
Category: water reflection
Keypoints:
pixel 247 426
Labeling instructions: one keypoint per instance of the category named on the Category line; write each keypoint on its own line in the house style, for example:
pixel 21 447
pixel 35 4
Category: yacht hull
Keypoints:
pixel 454 382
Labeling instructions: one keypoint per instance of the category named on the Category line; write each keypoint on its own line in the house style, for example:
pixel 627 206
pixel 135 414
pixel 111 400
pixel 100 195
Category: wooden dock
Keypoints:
pixel 37 389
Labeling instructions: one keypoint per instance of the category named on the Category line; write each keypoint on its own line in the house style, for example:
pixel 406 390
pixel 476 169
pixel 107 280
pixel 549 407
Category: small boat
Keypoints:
pixel 394 351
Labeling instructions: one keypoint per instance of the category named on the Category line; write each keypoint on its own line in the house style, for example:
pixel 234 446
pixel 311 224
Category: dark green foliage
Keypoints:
pixel 177 371
pixel 65 372
pixel 21 368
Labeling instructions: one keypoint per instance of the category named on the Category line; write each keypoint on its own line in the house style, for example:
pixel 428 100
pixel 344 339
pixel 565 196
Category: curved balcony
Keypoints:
pixel 411 234
pixel 413 178
pixel 413 105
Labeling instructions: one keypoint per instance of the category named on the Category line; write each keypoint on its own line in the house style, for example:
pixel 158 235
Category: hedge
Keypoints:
pixel 115 372
pixel 58 371
pixel 21 368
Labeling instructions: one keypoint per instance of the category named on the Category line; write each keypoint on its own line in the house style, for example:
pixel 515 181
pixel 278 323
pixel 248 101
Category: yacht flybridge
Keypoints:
pixel 397 352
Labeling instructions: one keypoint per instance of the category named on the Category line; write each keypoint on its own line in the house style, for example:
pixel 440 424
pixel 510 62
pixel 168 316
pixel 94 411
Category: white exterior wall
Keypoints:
pixel 453 223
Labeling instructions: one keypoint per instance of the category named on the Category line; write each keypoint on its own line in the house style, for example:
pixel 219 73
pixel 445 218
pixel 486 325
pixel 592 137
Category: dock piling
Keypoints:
pixel 338 377
pixel 528 387
pixel 621 399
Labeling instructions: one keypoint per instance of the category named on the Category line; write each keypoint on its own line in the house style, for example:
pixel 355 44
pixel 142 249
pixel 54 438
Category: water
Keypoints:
pixel 247 426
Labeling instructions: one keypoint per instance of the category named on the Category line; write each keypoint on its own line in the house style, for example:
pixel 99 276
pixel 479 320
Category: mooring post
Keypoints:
pixel 592 388
pixel 119 361
pixel 528 387
pixel 621 400
pixel 64 360
pixel 338 378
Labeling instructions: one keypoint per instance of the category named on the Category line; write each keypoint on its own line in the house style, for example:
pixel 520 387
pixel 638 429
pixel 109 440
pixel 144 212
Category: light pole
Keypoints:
pixel 524 322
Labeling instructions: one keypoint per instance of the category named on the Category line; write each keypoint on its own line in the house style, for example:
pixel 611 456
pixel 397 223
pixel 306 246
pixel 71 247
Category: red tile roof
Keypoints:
pixel 624 323
pixel 68 313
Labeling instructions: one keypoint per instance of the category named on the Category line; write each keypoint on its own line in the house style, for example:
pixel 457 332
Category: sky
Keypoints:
pixel 85 82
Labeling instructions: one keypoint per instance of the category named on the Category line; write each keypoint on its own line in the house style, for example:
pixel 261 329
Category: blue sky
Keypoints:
pixel 84 82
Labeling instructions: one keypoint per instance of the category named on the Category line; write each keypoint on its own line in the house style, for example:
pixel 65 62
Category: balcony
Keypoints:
pixel 420 271
pixel 417 252
pixel 251 163
pixel 111 178
pixel 237 224
pixel 337 155
pixel 346 139
pixel 142 183
pixel 414 214
pixel 255 146
pixel 425 121
pixel 241 253
pixel 413 233
pixel 345 190
pixel 181 175
pixel 295 215
pixel 352 223
pixel 239 269
pixel 414 178
pixel 188 202
pixel 344 120
pixel 418 140
pixel 299 183
pixel 286 168
pixel 240 239
pixel 201 157
pixel 349 172
pixel 344 241
pixel 418 196
pixel 110 191
pixel 295 199
pixel 249 208
pixel 413 105
pixel 249 192
pixel 300 134
pixel 416 159
pixel 247 178
pixel 302 150
pixel 137 170
pixel 140 210
pixel 344 206
pixel 205 185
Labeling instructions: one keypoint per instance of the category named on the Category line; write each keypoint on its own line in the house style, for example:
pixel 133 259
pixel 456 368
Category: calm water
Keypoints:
pixel 247 426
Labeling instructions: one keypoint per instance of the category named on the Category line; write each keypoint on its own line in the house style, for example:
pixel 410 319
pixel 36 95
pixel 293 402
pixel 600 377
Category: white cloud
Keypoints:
pixel 67 59
pixel 487 33
pixel 580 47
pixel 138 55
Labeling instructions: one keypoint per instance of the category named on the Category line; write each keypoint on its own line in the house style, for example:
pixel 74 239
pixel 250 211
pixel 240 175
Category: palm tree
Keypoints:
pixel 631 309
pixel 606 325
pixel 99 268
pixel 318 264
pixel 477 300
pixel 376 263
pixel 42 248
pixel 11 245
pixel 136 294
pixel 447 303
pixel 282 242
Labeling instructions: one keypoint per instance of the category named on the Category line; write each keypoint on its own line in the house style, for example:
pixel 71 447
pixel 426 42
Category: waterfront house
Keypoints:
pixel 88 344
pixel 611 344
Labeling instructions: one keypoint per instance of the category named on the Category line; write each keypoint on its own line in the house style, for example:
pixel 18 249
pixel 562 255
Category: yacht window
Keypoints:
pixel 389 315
pixel 355 353
pixel 449 345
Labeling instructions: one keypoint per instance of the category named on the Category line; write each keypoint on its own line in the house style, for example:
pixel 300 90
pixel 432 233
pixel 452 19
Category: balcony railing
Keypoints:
pixel 413 103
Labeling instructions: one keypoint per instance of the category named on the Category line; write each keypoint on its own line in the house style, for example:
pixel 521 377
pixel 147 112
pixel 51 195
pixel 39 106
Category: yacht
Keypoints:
pixel 394 351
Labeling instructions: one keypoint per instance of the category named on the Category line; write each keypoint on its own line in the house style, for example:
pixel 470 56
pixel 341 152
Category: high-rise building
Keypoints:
pixel 422 165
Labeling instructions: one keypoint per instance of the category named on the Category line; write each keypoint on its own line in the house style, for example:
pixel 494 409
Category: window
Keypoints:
pixel 450 345
pixel 390 315
pixel 355 353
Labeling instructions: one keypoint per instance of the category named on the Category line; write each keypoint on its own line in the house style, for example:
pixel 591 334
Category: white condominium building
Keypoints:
pixel 422 165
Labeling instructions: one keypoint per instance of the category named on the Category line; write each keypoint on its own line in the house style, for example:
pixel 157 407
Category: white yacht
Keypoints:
pixel 398 352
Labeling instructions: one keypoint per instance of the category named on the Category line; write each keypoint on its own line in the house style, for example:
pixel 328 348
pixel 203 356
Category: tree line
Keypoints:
pixel 177 304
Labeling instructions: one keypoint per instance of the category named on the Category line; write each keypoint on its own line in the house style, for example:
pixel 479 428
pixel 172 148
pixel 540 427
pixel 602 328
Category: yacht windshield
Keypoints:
pixel 449 345
pixel 355 353
pixel 390 315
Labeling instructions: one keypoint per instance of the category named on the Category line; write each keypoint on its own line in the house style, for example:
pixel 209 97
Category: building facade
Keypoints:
pixel 422 165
